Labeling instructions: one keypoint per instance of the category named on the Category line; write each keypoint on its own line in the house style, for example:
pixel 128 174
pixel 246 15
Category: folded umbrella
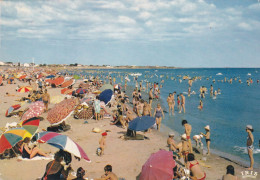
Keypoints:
pixel 62 142
pixel 141 123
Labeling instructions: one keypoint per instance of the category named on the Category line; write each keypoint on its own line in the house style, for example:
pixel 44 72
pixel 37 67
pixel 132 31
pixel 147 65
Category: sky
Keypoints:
pixel 180 33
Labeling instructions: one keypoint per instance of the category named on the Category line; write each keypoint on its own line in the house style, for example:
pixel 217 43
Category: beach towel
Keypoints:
pixel 36 158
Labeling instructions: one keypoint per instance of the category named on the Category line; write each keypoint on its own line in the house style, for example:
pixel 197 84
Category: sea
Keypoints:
pixel 227 115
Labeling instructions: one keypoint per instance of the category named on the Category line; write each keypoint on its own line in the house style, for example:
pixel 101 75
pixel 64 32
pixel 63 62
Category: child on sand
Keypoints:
pixel 102 143
pixel 185 147
pixel 207 136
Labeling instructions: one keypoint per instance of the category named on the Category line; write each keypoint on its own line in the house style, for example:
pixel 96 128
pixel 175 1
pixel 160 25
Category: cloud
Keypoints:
pixel 126 20
pixel 137 19
pixel 244 26
pixel 144 15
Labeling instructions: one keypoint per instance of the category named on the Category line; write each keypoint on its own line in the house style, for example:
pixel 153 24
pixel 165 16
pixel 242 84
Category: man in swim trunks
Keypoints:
pixel 169 101
pixel 188 129
pixel 46 99
pixel 182 103
pixel 147 109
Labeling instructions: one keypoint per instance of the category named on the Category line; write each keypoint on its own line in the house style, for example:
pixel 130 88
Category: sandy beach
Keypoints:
pixel 126 156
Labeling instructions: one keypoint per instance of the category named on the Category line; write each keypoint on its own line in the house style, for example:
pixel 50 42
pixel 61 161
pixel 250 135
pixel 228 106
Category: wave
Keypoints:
pixel 243 150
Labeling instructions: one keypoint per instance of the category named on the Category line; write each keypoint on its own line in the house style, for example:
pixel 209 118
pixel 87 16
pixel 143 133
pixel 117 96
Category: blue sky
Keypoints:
pixel 181 33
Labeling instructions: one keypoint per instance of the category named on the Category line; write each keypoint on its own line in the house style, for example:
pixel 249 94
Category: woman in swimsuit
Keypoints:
pixel 207 137
pixel 158 113
pixel 250 147
pixel 55 170
pixel 29 153
pixel 194 167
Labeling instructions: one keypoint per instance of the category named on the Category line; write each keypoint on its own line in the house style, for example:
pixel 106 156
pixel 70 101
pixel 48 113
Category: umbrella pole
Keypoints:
pixel 14 152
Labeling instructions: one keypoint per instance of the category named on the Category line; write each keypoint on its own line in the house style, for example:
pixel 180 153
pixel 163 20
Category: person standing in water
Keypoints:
pixel 151 96
pixel 182 103
pixel 170 104
pixel 250 146
pixel 207 137
pixel 188 129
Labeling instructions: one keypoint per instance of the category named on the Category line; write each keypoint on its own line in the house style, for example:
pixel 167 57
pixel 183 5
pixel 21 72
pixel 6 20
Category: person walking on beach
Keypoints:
pixel 188 129
pixel 250 146
pixel 207 137
pixel 158 114
pixel 46 99
pixel 147 109
pixel 230 175
pixel 182 103
pixel 97 108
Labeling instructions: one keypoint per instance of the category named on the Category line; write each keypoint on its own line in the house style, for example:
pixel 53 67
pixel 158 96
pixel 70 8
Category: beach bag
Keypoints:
pixel 45 177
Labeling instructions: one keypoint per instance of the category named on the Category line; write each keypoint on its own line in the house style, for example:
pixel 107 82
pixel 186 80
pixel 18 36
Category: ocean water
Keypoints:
pixel 228 114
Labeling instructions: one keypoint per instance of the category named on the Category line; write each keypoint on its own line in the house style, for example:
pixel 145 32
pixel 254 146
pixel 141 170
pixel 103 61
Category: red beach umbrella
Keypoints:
pixel 159 166
pixel 58 81
pixel 68 83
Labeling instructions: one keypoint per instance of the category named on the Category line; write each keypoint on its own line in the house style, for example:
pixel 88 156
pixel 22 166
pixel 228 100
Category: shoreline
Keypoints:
pixel 126 156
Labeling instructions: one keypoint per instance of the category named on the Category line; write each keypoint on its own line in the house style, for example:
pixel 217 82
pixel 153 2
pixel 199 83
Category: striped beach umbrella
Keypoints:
pixel 10 138
pixel 62 142
pixel 31 125
pixel 24 89
pixel 11 109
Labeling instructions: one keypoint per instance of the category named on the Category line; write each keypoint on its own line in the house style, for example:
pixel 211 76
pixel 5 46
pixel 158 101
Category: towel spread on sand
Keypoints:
pixel 36 158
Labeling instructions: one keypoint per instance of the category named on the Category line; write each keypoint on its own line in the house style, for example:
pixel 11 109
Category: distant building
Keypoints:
pixel 26 65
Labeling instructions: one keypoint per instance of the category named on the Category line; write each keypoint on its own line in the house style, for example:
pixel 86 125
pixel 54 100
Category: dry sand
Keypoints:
pixel 126 157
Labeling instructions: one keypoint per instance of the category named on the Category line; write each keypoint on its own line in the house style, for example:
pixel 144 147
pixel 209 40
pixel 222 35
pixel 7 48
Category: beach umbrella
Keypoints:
pixel 1 80
pixel 106 96
pixel 10 138
pixel 24 89
pixel 81 91
pixel 68 83
pixel 31 125
pixel 106 86
pixel 58 81
pixel 50 76
pixel 159 166
pixel 11 109
pixel 61 111
pixel 66 91
pixel 141 123
pixel 62 142
pixel 34 110
pixel 22 77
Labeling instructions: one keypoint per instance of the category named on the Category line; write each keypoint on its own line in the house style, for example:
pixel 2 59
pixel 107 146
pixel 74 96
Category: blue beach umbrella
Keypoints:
pixel 141 123
pixel 106 95
pixel 50 76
